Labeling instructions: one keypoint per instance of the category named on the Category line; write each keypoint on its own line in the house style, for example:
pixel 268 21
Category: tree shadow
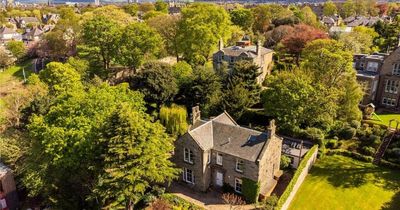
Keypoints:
pixel 347 173
pixel 393 204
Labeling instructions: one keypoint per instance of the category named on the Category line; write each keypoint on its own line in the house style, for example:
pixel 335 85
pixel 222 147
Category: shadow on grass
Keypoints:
pixel 347 173
pixel 393 204
pixel 23 66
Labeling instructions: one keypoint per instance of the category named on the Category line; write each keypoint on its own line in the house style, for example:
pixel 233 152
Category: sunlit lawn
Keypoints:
pixel 384 119
pixel 341 183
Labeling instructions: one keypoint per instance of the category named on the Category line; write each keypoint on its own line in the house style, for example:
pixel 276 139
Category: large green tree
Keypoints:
pixel 102 35
pixel 156 82
pixel 17 48
pixel 243 18
pixel 200 29
pixel 264 14
pixel 138 42
pixel 360 40
pixel 136 157
pixel 330 8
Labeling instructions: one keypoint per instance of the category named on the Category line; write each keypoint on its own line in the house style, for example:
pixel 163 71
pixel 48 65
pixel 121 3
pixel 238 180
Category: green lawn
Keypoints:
pixel 341 183
pixel 385 118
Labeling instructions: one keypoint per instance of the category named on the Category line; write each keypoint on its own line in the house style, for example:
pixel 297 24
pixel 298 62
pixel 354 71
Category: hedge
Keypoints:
pixel 250 190
pixel 354 155
pixel 179 203
pixel 296 175
pixel 390 165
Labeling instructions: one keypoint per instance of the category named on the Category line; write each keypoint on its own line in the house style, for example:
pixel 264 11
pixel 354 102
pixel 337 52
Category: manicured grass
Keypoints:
pixel 385 119
pixel 341 183
pixel 15 72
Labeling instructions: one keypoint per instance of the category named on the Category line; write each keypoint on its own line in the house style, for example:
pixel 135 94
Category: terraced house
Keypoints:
pixel 218 152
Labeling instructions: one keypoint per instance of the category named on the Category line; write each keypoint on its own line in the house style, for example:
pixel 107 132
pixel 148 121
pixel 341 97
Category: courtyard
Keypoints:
pixel 341 183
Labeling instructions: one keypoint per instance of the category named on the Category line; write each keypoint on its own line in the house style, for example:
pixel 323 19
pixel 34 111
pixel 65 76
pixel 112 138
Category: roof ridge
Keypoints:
pixel 239 126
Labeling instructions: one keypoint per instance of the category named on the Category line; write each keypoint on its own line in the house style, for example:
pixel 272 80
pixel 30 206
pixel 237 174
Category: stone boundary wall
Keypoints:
pixel 301 177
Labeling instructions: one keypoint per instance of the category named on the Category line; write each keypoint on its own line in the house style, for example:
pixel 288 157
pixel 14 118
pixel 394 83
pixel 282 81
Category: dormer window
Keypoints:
pixel 396 69
pixel 372 66
pixel 188 155
pixel 239 165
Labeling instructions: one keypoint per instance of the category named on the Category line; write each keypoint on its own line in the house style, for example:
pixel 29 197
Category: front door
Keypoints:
pixel 219 179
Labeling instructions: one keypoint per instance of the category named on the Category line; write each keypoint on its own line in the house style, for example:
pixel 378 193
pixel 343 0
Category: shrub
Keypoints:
pixel 179 202
pixel 285 161
pixel 347 132
pixel 389 164
pixel 314 134
pixel 250 190
pixel 295 177
pixel 368 150
pixel 226 188
pixel 332 144
pixel 270 202
pixel 355 124
pixel 354 155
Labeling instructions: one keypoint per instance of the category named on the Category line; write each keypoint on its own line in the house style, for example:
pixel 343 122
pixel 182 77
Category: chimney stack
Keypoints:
pixel 195 114
pixel 271 128
pixel 220 44
pixel 258 48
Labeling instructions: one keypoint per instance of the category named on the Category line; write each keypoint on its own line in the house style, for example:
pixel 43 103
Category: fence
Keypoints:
pixel 298 178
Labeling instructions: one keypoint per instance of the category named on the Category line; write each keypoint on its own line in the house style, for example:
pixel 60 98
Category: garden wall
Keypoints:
pixel 298 178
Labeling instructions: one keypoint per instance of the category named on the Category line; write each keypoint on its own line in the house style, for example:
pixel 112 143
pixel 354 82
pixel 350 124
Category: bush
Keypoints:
pixel 354 155
pixel 314 134
pixel 250 190
pixel 355 124
pixel 270 202
pixel 179 202
pixel 368 150
pixel 285 161
pixel 332 144
pixel 226 188
pixel 347 133
pixel 295 177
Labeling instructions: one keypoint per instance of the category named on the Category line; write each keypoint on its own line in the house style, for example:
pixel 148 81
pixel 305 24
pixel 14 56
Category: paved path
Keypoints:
pixel 211 200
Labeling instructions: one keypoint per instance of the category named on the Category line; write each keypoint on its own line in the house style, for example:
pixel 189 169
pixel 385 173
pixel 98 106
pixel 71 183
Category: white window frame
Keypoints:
pixel 238 163
pixel 188 155
pixel 389 101
pixel 219 159
pixel 238 182
pixel 372 66
pixel 186 177
pixel 392 86
pixel 396 69
pixel 209 158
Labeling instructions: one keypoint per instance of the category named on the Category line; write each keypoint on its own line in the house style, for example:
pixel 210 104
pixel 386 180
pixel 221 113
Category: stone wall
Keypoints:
pixel 300 179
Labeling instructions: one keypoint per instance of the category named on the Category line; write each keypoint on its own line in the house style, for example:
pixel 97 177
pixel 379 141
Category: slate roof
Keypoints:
pixel 3 169
pixel 34 32
pixel 250 51
pixel 29 19
pixel 5 30
pixel 292 146
pixel 223 134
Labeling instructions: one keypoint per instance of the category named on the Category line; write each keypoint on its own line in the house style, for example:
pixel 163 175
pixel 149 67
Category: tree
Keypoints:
pixel 156 82
pixel 139 42
pixel 243 18
pixel 199 40
pixel 329 8
pixel 273 37
pixel 137 156
pixel 331 64
pixel 5 59
pixel 296 101
pixel 309 17
pixel 54 46
pixel 360 40
pixel 161 6
pixel 236 99
pixel 102 36
pixel 232 199
pixel 131 9
pixel 17 48
pixel 204 90
pixel 348 9
pixel 285 161
pixel 264 15
pixel 146 7
pixel 167 27
pixel 302 34
pixel 174 119
pixel 182 72
pixel 68 148
pixel 60 78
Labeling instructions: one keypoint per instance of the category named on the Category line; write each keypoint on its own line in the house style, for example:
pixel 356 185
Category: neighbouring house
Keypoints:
pixel 8 188
pixel 50 18
pixel 336 31
pixel 295 149
pixel 380 75
pixel 244 50
pixel 23 22
pixel 331 21
pixel 218 152
pixel 7 34
pixel 368 67
pixel 354 21
pixel 33 34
